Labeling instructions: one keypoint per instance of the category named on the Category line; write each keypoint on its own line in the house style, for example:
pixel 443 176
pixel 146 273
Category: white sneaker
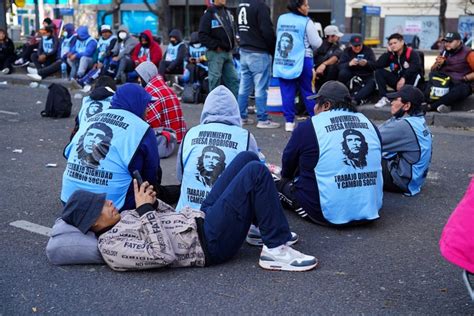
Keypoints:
pixel 289 126
pixel 285 258
pixel 35 77
pixel 382 102
pixel 443 108
pixel 6 71
pixel 254 238
pixel 32 70
pixel 87 88
pixel 267 124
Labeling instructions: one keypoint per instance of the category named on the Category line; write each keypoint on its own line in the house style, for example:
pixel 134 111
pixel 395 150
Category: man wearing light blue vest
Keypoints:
pixel 109 146
pixel 331 167
pixel 81 57
pixel 47 50
pixel 407 143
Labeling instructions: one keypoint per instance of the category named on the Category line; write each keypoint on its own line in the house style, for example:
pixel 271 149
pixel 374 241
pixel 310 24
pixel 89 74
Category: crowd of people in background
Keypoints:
pixel 334 168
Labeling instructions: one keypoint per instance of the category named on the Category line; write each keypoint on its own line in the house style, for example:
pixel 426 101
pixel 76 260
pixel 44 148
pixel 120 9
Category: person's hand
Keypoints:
pixel 42 58
pixel 400 83
pixel 353 62
pixel 143 194
pixel 115 58
pixel 320 70
pixel 363 62
pixel 440 60
pixel 99 65
pixel 72 57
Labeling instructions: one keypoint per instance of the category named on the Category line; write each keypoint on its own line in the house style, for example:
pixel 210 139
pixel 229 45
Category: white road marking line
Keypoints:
pixel 32 227
pixel 8 112
pixel 432 176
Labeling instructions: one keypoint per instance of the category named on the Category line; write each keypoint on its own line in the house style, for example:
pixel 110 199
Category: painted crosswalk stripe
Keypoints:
pixel 32 227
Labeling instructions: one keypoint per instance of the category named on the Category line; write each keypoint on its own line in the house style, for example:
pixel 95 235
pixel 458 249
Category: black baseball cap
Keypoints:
pixel 83 209
pixel 408 93
pixel 356 40
pixel 333 90
pixel 451 36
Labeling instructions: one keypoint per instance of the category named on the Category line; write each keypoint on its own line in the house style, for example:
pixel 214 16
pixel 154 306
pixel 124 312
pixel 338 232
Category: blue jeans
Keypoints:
pixel 255 73
pixel 288 91
pixel 244 193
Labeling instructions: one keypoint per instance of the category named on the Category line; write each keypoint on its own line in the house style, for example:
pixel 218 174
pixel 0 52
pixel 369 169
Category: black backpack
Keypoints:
pixel 58 103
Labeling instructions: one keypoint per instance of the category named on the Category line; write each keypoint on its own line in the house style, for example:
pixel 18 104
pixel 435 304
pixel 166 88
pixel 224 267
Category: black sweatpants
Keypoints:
pixel 386 78
pixel 345 76
pixel 457 92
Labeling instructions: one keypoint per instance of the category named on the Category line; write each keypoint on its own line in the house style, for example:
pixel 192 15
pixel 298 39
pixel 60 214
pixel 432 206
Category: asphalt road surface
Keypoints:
pixel 391 266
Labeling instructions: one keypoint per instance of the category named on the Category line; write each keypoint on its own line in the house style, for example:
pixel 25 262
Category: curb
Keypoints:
pixel 454 119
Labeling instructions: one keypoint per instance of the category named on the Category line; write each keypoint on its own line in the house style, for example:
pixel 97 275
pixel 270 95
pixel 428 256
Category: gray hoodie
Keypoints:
pixel 128 44
pixel 220 107
pixel 147 71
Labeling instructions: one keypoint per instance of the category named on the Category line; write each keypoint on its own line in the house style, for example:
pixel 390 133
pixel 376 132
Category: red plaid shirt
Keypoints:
pixel 166 111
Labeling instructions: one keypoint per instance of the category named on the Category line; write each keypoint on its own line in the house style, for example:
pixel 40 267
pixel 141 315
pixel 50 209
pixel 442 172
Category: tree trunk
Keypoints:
pixel 443 5
pixel 163 12
pixel 278 8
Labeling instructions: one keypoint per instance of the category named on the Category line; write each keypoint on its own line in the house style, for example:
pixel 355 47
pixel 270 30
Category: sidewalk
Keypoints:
pixel 455 119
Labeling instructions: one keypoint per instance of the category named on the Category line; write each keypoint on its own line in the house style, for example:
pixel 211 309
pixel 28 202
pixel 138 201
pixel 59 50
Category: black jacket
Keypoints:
pixel 255 26
pixel 54 52
pixel 216 29
pixel 326 51
pixel 348 54
pixel 397 63
pixel 7 49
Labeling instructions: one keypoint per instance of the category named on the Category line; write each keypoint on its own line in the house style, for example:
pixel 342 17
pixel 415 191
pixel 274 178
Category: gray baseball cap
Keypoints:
pixel 333 90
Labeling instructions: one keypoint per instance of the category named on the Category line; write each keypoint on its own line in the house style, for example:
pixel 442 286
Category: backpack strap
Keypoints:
pixel 408 53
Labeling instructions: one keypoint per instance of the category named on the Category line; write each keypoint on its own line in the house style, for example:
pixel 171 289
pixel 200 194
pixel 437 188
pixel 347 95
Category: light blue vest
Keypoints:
pixel 102 46
pixel 349 170
pixel 420 168
pixel 290 50
pixel 114 133
pixel 221 143
pixel 66 45
pixel 172 51
pixel 48 45
pixel 82 45
pixel 91 107
pixel 197 53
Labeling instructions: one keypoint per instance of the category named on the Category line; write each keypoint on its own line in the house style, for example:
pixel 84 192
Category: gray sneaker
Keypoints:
pixel 247 121
pixel 443 109
pixel 254 238
pixel 285 258
pixel 267 124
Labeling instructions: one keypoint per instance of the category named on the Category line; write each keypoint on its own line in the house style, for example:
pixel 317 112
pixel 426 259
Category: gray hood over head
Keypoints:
pixel 147 71
pixel 221 107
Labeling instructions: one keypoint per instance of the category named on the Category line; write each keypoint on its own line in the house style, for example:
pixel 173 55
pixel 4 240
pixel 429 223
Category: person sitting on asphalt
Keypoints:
pixel 81 56
pixel 104 56
pixel 67 42
pixel 7 53
pixel 47 50
pixel 175 55
pixel 405 68
pixel 356 68
pixel 197 63
pixel 327 56
pixel 99 100
pixel 162 237
pixel 147 49
pixel 406 143
pixel 109 146
pixel 121 52
pixel 457 62
pixel 165 112
pixel 32 44
pixel 331 166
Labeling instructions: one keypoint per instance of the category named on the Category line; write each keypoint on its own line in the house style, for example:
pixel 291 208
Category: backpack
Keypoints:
pixel 191 93
pixel 356 84
pixel 439 84
pixel 58 103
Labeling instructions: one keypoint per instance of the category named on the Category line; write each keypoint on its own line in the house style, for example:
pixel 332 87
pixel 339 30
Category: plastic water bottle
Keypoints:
pixel 63 70
pixel 261 156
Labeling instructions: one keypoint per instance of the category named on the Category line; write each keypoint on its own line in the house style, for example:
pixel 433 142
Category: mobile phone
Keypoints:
pixel 360 56
pixel 138 177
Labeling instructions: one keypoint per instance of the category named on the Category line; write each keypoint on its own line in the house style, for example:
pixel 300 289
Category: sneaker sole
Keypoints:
pixel 273 266
pixel 268 126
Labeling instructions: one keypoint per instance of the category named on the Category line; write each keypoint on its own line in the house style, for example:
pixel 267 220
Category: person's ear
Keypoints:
pixel 407 106
pixel 326 106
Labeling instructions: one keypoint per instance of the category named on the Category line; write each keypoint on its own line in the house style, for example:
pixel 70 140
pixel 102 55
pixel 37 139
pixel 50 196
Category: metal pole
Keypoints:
pixel 37 18
pixel 187 22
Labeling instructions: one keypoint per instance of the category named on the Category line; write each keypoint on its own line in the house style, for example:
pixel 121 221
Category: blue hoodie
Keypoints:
pixel 83 35
pixel 69 28
pixel 133 98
